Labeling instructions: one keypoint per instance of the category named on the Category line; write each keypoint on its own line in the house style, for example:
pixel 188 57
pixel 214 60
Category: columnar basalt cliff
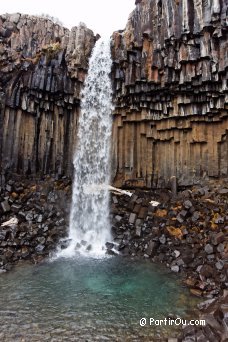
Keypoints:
pixel 42 69
pixel 170 72
pixel 170 93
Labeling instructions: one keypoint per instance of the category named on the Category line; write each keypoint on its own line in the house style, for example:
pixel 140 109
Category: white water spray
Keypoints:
pixel 89 218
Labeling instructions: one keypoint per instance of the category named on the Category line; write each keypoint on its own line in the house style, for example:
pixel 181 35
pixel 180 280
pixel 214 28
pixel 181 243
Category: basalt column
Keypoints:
pixel 42 70
pixel 170 79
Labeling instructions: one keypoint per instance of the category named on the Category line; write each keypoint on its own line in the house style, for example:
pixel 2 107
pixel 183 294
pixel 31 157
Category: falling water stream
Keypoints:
pixel 89 218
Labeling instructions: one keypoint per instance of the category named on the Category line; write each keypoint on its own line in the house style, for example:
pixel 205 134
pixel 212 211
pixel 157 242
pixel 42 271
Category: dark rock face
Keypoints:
pixel 170 93
pixel 42 69
pixel 170 119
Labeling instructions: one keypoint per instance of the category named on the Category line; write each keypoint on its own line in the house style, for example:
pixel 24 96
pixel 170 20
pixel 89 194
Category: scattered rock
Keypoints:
pixel 175 232
pixel 5 206
pixel 220 248
pixel 195 216
pixel 39 218
pixel 114 199
pixel 118 218
pixel 162 239
pixel 176 253
pixel 39 248
pixel 175 268
pixel 218 238
pixel 138 231
pixel 109 245
pixel 208 249
pixel 206 271
pixel 196 292
pixel 65 243
pixel 151 248
pixel 187 204
pixel 132 218
pixel 219 265
pixel 161 213
pixel 143 212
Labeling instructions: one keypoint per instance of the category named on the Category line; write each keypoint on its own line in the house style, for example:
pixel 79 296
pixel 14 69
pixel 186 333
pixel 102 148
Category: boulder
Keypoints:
pixel 209 249
pixel 132 218
pixel 150 250
pixel 218 238
pixel 5 206
pixel 175 268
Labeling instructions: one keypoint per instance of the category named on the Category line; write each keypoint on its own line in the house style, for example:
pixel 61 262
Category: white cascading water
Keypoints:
pixel 89 218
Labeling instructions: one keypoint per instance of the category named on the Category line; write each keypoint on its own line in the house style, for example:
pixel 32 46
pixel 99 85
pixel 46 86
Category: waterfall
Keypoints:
pixel 89 218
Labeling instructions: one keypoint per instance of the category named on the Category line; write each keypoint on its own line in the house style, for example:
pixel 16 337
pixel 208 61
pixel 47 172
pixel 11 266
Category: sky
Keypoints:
pixel 101 16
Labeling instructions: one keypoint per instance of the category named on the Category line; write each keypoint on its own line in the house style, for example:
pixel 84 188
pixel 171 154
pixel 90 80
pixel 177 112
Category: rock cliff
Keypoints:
pixel 42 69
pixel 170 93
pixel 170 72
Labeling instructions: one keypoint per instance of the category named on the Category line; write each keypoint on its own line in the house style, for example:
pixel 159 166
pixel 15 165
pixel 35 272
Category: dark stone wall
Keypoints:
pixel 170 93
pixel 42 69
pixel 170 77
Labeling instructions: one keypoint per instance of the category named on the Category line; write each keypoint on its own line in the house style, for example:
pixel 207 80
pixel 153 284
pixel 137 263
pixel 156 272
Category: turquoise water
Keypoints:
pixel 87 299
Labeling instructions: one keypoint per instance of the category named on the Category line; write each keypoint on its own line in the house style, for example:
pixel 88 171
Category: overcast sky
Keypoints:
pixel 102 16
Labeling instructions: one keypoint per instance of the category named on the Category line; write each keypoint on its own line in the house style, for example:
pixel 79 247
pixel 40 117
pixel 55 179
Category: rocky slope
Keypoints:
pixel 42 69
pixel 170 72
pixel 33 218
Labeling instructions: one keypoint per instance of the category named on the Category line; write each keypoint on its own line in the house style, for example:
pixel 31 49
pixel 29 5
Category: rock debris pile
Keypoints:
pixel 34 216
